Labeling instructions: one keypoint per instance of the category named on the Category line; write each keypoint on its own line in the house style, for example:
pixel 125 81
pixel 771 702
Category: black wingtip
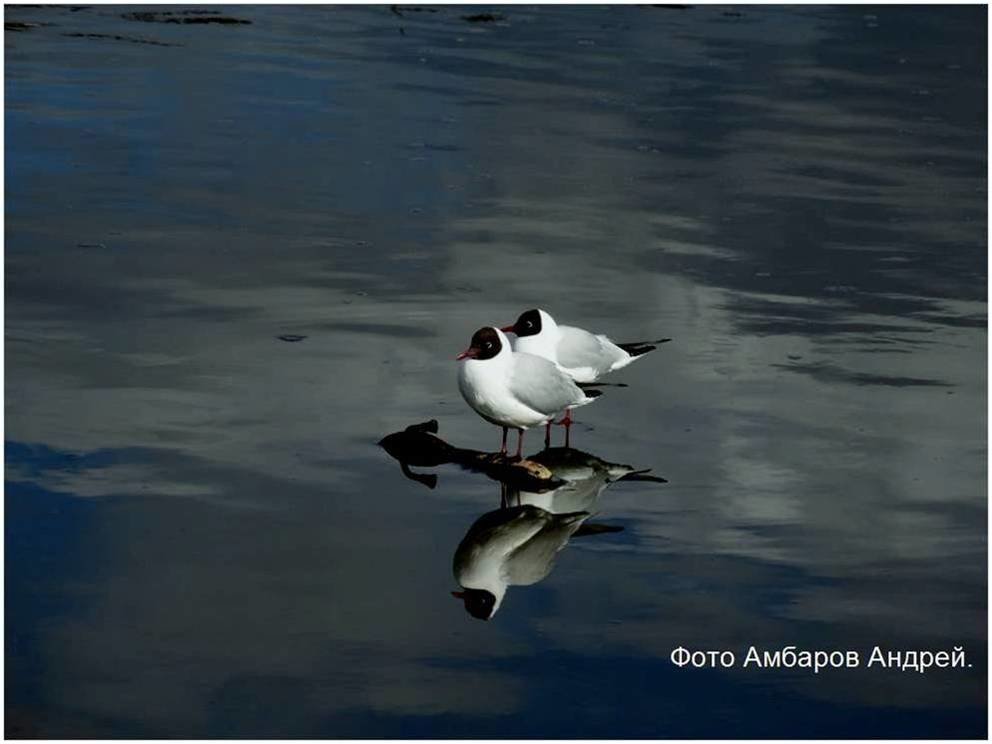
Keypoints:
pixel 644 477
pixel 636 348
pixel 591 393
pixel 596 529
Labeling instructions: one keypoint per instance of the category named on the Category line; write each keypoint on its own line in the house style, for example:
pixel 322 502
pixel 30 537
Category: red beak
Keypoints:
pixel 470 353
pixel 508 329
pixel 460 595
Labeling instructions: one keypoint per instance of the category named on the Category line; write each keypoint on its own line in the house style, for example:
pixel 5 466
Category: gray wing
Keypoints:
pixel 506 528
pixel 494 536
pixel 534 560
pixel 540 385
pixel 581 350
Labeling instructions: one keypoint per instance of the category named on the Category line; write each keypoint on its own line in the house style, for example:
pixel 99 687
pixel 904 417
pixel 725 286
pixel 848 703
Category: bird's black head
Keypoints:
pixel 479 603
pixel 485 345
pixel 528 324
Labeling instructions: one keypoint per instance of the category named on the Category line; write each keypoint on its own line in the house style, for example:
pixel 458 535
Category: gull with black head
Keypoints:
pixel 514 389
pixel 583 356
pixel 516 546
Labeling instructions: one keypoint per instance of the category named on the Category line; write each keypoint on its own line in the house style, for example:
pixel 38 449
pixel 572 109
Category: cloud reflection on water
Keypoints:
pixel 774 191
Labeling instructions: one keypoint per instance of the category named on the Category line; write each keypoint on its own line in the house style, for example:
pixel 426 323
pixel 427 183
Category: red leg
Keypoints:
pixel 520 442
pixel 502 449
pixel 547 436
pixel 567 423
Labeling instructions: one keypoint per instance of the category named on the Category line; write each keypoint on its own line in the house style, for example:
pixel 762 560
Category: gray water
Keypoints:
pixel 204 539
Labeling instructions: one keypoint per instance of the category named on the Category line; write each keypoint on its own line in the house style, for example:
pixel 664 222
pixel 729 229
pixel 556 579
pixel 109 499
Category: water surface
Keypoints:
pixel 203 538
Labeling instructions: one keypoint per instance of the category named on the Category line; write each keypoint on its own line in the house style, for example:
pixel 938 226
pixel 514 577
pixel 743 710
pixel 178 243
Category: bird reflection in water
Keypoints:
pixel 545 500
pixel 514 545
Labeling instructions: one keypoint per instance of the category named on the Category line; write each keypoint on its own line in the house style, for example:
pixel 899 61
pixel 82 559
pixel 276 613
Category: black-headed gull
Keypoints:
pixel 515 546
pixel 583 356
pixel 583 476
pixel 513 389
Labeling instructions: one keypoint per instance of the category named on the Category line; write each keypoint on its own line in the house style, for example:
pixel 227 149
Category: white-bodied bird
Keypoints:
pixel 583 356
pixel 515 546
pixel 514 389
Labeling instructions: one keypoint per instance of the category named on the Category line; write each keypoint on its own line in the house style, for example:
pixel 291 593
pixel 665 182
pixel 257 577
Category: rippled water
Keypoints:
pixel 203 537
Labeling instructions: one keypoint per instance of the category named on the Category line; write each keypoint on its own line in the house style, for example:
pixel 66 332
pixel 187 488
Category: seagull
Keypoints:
pixel 583 356
pixel 514 546
pixel 514 389
pixel 583 479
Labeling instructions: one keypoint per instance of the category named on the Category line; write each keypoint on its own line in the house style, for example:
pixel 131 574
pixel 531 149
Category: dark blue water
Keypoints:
pixel 203 538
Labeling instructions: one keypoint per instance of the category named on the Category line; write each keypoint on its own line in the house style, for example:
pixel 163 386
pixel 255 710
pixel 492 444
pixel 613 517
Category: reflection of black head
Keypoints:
pixel 486 342
pixel 478 602
pixel 528 324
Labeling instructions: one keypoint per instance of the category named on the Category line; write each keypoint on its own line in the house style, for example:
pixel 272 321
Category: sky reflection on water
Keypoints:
pixel 203 538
